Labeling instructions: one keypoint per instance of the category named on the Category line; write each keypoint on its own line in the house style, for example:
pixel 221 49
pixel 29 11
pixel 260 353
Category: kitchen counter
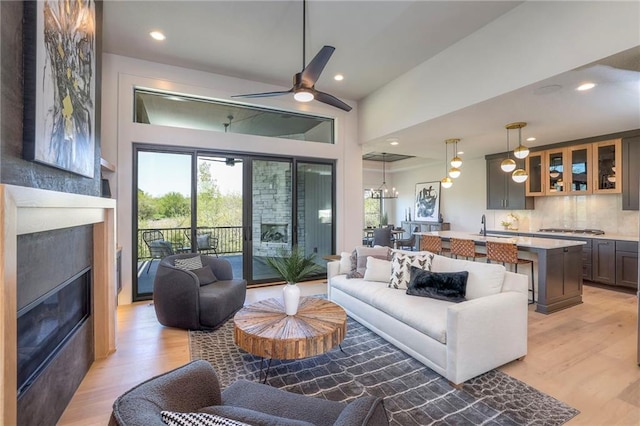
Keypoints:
pixel 619 237
pixel 559 265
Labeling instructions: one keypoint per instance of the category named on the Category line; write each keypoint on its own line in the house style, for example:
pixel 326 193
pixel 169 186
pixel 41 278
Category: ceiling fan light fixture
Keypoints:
pixel 303 95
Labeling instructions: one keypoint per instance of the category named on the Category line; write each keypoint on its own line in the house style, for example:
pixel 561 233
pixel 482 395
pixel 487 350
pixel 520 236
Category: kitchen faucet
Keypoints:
pixel 483 221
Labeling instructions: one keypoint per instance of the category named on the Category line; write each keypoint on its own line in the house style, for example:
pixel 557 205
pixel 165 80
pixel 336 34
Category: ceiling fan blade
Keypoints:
pixel 263 95
pixel 331 100
pixel 312 71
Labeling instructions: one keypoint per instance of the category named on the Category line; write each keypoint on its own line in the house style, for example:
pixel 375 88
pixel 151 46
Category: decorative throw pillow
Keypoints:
pixel 401 262
pixel 450 286
pixel 377 270
pixel 197 419
pixel 203 241
pixel 205 275
pixel 188 263
pixel 345 262
pixel 353 260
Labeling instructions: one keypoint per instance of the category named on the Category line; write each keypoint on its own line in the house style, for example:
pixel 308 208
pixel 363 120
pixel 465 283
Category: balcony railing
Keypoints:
pixel 229 239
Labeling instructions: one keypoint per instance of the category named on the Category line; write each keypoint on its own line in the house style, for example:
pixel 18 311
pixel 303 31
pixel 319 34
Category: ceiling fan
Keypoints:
pixel 304 82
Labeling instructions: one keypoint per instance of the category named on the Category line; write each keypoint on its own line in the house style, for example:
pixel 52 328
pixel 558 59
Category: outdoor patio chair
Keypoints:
pixel 159 248
pixel 205 242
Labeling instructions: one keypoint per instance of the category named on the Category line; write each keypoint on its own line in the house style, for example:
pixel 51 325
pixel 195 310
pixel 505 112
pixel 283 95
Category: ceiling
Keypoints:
pixel 262 41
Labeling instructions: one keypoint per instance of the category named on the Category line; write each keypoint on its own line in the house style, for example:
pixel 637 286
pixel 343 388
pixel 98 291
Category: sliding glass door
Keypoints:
pixel 237 206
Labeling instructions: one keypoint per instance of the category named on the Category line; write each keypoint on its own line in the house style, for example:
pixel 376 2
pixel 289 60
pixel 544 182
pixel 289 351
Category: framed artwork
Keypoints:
pixel 427 201
pixel 60 84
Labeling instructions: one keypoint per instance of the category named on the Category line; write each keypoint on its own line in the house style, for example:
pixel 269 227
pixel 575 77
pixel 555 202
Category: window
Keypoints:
pixel 172 110
pixel 372 209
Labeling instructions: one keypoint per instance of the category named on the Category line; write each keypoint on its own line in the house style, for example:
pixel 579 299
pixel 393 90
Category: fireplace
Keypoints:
pixel 46 324
pixel 274 232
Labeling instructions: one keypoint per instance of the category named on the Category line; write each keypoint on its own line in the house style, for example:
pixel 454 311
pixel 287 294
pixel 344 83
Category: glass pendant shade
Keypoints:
pixel 519 176
pixel 454 172
pixel 456 162
pixel 521 152
pixel 446 182
pixel 508 165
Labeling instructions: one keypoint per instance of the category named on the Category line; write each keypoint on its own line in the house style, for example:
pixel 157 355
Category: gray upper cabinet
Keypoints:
pixel 502 192
pixel 631 173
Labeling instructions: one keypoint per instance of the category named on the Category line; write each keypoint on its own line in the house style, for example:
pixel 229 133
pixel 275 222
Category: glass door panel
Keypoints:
pixel 314 184
pixel 607 162
pixel 579 159
pixel 534 185
pixel 163 213
pixel 272 228
pixel 219 230
pixel 556 177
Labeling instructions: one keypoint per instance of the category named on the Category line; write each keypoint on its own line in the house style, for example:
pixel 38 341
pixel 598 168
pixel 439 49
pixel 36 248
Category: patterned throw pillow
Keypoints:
pixel 188 263
pixel 197 419
pixel 401 264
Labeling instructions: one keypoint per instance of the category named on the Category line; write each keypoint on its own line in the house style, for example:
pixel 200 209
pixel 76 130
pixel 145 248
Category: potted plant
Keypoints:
pixel 506 224
pixel 292 266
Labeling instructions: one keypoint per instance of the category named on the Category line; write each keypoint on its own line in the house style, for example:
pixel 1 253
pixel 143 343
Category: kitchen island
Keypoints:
pixel 559 266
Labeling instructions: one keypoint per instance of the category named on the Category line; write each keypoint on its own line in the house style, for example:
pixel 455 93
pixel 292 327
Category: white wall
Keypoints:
pixel 121 75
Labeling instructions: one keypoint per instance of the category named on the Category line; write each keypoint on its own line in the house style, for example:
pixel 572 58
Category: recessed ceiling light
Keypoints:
pixel 157 35
pixel 460 152
pixel 531 139
pixel 394 143
pixel 338 77
pixel 586 86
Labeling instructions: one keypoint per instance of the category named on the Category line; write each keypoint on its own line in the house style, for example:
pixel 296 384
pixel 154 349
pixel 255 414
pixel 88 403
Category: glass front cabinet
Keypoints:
pixel 607 160
pixel 593 168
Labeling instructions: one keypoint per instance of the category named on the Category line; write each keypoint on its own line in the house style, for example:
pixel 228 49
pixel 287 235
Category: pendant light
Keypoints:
pixel 508 165
pixel 446 180
pixel 521 151
pixel 383 192
pixel 456 161
pixel 519 175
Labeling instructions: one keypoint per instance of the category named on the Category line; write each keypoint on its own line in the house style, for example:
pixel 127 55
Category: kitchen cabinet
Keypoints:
pixel 603 260
pixel 535 166
pixel 607 164
pixel 627 264
pixel 631 173
pixel 503 193
pixel 578 170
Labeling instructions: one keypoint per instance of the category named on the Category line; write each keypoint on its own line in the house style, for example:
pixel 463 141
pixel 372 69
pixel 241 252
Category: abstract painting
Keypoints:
pixel 60 84
pixel 428 201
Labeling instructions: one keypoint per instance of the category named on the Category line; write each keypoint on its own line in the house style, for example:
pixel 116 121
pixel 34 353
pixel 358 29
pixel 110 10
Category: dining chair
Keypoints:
pixel 508 253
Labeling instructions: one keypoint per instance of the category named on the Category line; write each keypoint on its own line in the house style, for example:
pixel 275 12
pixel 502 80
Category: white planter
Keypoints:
pixel 291 296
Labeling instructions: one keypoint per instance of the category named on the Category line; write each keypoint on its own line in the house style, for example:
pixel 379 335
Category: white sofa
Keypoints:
pixel 457 340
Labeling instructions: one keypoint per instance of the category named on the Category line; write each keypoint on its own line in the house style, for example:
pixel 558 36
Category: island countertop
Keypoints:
pixel 524 243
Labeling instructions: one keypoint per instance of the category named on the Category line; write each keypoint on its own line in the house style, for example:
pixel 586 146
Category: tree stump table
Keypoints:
pixel 264 330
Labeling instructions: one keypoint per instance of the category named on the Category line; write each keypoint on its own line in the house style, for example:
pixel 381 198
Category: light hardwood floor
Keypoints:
pixel 584 356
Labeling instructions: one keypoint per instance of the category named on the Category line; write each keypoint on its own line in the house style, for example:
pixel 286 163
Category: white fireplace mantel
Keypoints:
pixel 26 210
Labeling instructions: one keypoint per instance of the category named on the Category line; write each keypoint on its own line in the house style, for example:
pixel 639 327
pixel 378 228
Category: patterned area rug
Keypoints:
pixel 413 394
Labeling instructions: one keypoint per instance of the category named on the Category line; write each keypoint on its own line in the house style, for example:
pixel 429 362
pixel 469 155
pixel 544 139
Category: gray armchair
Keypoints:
pixel 195 387
pixel 181 301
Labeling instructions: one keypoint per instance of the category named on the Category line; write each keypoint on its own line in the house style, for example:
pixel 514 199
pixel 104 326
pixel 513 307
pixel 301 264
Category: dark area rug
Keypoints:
pixel 413 394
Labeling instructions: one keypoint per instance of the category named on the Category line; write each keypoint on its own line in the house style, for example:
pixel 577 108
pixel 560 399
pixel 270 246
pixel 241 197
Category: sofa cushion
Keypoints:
pixel 449 286
pixel 428 316
pixel 402 261
pixel 377 270
pixel 188 263
pixel 345 263
pixel 198 419
pixel 359 259
pixel 252 417
pixel 205 275
pixel 484 279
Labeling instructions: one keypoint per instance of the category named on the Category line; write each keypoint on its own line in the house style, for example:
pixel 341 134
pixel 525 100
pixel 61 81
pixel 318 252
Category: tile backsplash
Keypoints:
pixel 578 212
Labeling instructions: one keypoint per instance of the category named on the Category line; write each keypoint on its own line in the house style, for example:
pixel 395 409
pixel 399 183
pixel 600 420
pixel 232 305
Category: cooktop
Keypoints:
pixel 573 231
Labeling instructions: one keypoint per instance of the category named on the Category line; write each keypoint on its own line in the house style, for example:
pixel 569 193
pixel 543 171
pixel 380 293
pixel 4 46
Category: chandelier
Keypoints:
pixel 519 175
pixel 456 161
pixel 383 192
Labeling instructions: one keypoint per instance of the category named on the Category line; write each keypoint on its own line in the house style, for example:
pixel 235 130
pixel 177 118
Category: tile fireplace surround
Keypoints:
pixel 27 210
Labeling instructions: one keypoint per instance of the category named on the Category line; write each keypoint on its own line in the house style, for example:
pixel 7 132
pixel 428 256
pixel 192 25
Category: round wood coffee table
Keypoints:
pixel 264 330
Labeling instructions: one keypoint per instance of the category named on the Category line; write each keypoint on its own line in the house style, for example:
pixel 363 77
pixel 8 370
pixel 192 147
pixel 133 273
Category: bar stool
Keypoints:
pixel 508 253
pixel 432 243
pixel 465 248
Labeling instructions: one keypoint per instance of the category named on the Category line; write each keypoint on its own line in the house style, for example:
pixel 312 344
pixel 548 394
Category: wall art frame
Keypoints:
pixel 427 201
pixel 60 86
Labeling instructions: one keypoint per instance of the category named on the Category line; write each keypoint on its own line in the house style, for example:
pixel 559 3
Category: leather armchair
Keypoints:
pixel 180 301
